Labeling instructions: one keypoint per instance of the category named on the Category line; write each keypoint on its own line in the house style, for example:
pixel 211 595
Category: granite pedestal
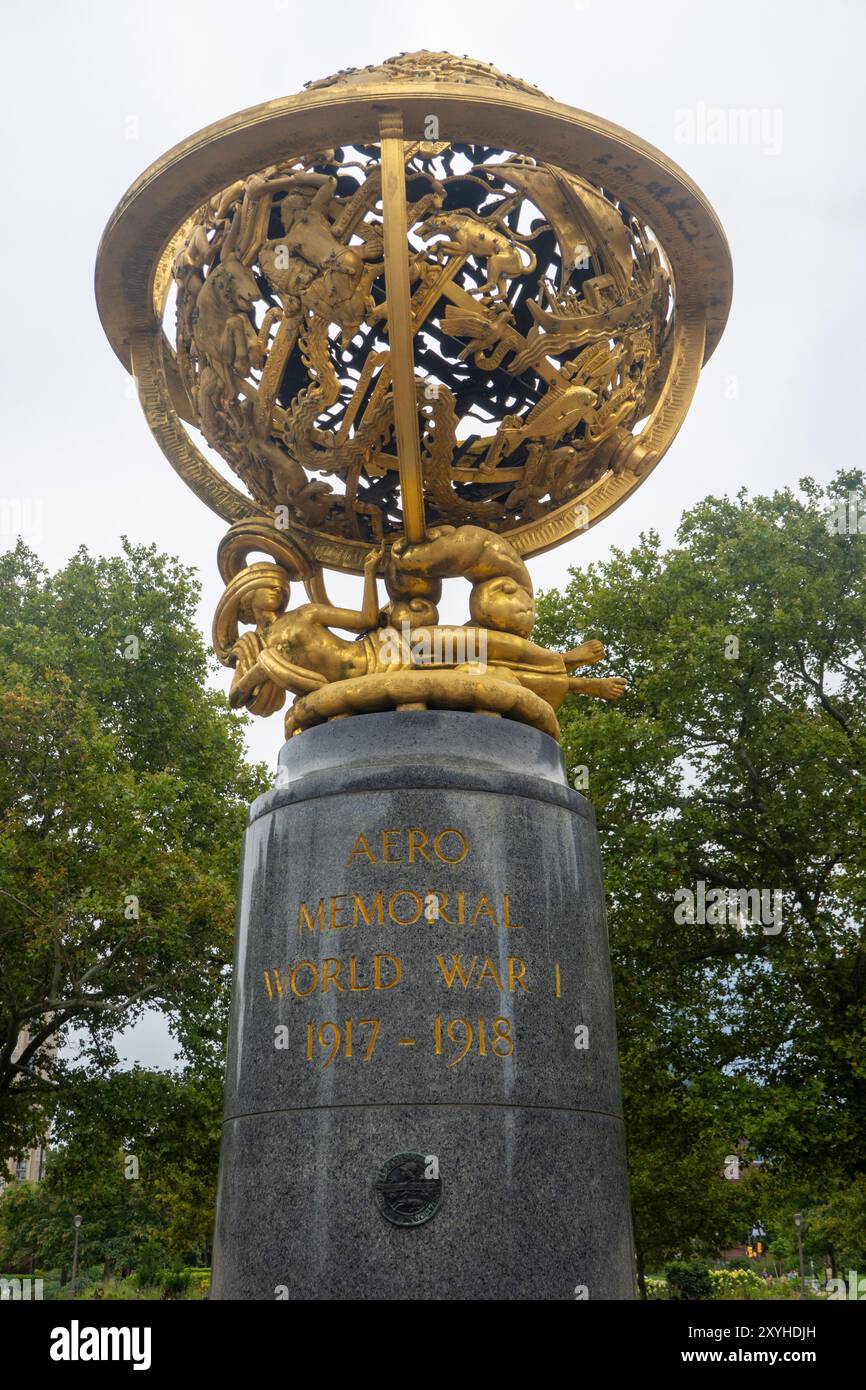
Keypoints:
pixel 422 1096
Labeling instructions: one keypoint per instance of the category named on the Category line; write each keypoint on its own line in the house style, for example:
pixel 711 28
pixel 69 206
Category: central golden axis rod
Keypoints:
pixel 400 336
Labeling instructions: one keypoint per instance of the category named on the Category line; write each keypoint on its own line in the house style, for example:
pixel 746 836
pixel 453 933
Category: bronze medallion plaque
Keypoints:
pixel 409 1189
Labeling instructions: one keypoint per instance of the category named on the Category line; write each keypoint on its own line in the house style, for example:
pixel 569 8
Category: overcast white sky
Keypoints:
pixel 92 92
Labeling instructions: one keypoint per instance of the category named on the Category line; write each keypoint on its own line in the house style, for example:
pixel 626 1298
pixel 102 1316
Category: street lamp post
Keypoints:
pixel 798 1222
pixel 76 1221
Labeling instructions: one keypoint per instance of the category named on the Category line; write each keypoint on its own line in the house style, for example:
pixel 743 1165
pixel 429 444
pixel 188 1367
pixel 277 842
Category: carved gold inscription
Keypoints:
pixel 401 906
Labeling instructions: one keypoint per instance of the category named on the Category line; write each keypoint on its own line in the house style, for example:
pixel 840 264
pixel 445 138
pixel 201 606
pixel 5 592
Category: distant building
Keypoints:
pixel 31 1165
pixel 26 1169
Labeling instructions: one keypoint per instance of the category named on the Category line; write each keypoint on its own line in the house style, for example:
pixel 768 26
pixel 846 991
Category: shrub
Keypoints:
pixel 174 1282
pixel 151 1259
pixel 121 1290
pixel 199 1282
pixel 689 1281
pixel 736 1283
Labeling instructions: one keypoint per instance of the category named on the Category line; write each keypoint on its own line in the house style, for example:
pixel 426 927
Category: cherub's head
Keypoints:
pixel 504 605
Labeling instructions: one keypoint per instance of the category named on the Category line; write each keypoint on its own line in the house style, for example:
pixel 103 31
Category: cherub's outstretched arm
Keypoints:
pixel 259 185
pixel 467 550
pixel 348 618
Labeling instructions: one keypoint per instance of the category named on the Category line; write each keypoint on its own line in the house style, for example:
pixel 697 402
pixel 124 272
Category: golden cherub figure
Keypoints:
pixel 297 651
pixel 502 604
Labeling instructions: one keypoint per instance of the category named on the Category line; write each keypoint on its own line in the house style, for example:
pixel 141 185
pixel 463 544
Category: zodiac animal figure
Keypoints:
pixel 222 332
pixel 546 473
pixel 311 498
pixel 467 235
pixel 484 331
pixel 308 261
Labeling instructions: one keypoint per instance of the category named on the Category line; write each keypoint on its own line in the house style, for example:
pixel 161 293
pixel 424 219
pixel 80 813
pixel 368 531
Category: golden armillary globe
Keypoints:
pixel 417 300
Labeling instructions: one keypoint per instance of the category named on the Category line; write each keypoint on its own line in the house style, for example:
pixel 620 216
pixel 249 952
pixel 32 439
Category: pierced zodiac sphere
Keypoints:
pixel 508 335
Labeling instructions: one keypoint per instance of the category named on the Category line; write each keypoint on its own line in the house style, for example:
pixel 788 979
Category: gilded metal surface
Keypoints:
pixel 467 98
pixel 420 352
pixel 400 321
pixel 315 332
pixel 480 692
pixel 401 657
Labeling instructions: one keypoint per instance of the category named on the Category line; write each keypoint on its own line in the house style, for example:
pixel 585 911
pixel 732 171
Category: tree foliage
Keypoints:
pixel 136 1158
pixel 123 792
pixel 736 760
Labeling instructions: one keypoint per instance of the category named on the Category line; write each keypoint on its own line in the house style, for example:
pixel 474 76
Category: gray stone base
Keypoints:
pixel 355 1038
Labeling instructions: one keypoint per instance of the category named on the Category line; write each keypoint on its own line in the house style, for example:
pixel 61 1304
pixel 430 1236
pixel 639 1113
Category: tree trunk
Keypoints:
pixel 641 1272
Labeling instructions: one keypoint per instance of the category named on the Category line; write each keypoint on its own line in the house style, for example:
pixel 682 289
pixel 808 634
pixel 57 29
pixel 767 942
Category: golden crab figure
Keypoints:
pixel 421 352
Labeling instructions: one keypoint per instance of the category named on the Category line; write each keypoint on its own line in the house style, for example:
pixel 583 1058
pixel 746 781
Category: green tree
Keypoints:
pixel 736 760
pixel 136 1157
pixel 167 1128
pixel 123 793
